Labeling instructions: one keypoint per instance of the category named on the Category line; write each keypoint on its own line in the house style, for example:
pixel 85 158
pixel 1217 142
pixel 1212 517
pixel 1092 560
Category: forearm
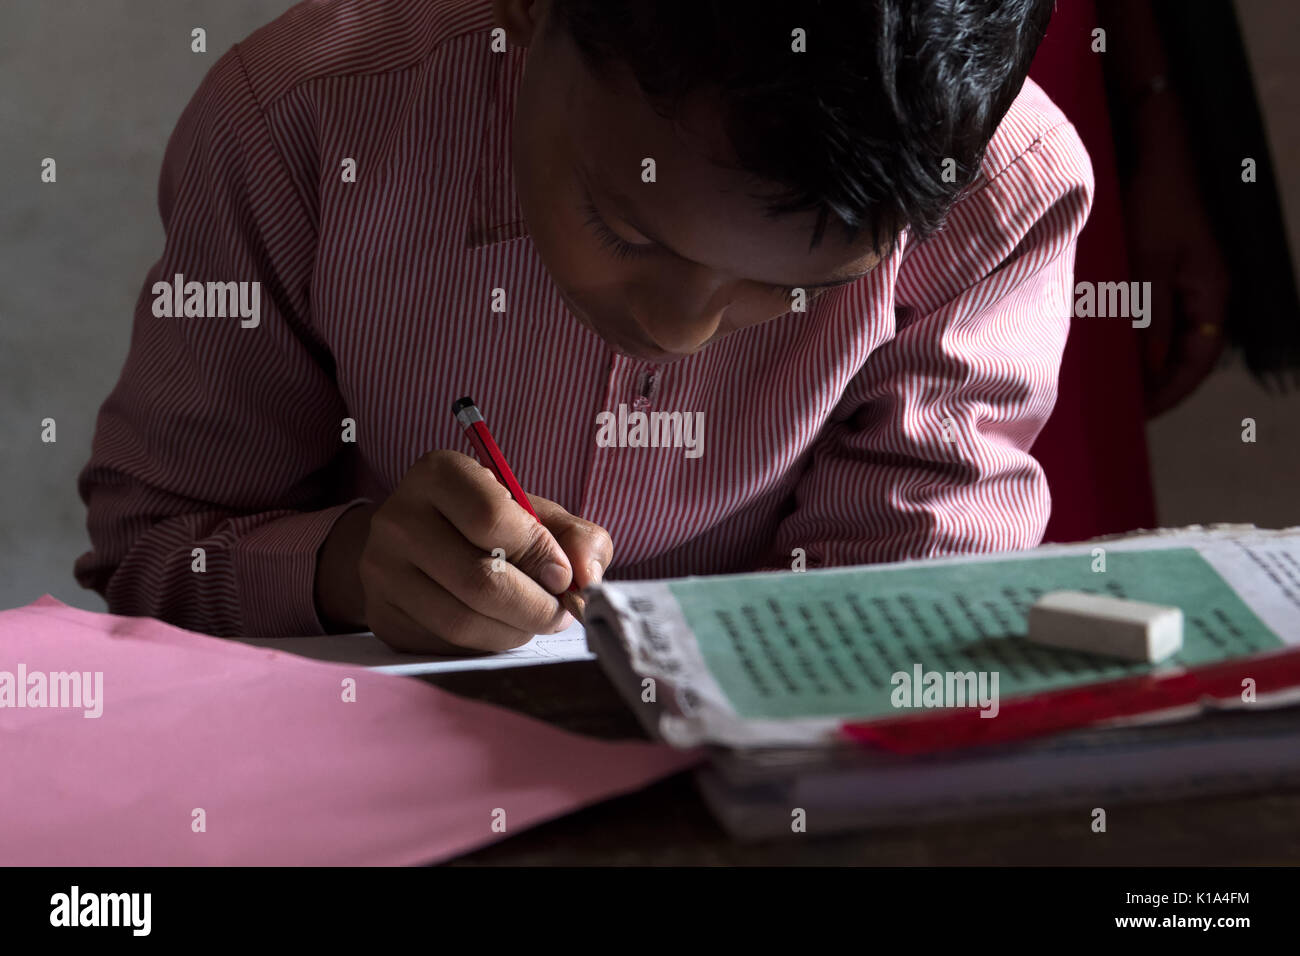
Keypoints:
pixel 231 576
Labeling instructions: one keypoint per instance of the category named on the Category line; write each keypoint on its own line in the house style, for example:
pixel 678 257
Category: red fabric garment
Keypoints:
pixel 1093 448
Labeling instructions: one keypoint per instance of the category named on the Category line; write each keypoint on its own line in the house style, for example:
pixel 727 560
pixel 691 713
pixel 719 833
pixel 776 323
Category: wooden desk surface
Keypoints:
pixel 668 823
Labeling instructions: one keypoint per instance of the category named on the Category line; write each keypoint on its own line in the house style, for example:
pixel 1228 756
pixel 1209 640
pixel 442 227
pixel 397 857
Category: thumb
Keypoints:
pixel 589 547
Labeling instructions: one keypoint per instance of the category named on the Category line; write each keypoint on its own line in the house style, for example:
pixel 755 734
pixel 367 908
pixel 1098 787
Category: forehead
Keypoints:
pixel 706 212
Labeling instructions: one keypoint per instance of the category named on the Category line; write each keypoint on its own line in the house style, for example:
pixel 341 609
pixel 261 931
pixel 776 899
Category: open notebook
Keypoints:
pixel 765 668
pixel 783 659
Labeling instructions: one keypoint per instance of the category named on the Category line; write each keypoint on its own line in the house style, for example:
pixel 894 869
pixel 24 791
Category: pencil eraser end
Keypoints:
pixel 1111 626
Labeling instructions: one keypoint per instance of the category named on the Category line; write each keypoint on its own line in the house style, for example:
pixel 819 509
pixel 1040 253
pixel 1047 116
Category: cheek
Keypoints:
pixel 578 265
pixel 548 197
pixel 580 269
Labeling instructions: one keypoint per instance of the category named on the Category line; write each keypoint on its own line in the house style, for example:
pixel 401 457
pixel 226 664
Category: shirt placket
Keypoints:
pixel 632 383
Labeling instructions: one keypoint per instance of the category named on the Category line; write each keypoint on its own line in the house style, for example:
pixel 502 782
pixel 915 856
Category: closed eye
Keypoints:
pixel 616 244
pixel 623 249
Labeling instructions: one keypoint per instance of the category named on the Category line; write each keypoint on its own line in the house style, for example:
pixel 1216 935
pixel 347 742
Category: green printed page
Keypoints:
pixel 826 644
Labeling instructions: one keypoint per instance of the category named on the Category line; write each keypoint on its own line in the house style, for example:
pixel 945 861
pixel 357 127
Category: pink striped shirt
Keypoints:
pixel 892 420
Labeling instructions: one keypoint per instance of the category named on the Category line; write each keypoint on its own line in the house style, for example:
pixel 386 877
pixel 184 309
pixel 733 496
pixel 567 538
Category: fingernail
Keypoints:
pixel 565 621
pixel 554 578
pixel 595 571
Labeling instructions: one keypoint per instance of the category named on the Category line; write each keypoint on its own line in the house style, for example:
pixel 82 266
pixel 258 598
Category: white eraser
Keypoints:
pixel 1101 624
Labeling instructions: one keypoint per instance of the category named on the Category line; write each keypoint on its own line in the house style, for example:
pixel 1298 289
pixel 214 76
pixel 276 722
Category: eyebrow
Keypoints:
pixel 620 201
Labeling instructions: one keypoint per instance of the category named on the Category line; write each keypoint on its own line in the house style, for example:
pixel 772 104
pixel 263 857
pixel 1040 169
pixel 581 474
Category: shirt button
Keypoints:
pixel 648 390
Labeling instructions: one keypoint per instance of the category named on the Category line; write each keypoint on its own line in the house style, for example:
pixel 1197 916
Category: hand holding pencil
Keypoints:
pixel 452 562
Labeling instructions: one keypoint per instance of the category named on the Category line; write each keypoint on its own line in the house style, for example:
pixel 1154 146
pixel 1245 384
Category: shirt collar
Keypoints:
pixel 495 214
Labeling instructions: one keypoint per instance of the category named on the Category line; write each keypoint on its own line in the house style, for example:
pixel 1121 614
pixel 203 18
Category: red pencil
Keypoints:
pixel 490 457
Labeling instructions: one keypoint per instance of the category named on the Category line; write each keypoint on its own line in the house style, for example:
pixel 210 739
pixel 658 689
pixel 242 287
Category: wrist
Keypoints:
pixel 340 599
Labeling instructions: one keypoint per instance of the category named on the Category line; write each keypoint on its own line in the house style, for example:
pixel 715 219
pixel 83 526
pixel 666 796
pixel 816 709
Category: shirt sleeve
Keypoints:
pixel 221 435
pixel 927 453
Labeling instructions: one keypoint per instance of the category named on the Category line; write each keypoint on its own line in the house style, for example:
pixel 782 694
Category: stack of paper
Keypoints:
pixel 767 668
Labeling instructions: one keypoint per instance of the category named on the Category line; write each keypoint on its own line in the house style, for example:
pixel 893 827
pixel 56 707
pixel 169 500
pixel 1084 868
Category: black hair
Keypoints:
pixel 857 127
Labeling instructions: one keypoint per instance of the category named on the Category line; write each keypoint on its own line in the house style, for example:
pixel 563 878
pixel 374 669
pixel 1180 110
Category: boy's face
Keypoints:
pixel 657 269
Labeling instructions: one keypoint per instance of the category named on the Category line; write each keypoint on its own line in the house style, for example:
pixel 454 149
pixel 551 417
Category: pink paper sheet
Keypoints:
pixel 285 771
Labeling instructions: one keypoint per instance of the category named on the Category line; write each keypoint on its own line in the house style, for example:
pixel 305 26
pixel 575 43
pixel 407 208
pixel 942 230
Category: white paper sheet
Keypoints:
pixel 569 644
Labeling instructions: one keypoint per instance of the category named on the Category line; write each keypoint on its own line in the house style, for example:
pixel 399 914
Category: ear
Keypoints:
pixel 521 19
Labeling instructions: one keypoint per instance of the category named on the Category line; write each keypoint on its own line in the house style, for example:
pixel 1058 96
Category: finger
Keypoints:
pixel 435 617
pixel 482 510
pixel 588 546
pixel 399 631
pixel 485 582
pixel 412 536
